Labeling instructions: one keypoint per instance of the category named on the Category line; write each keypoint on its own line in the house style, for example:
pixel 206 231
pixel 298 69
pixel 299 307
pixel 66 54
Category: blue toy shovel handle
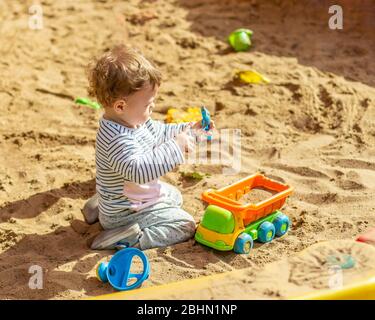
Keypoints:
pixel 117 271
pixel 101 271
pixel 206 120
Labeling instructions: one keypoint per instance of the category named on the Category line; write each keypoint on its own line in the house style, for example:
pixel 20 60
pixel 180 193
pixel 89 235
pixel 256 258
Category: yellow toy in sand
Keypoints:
pixel 192 114
pixel 251 76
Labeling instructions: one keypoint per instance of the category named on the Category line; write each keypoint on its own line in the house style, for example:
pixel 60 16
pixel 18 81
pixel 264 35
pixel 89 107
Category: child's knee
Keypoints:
pixel 180 231
pixel 188 225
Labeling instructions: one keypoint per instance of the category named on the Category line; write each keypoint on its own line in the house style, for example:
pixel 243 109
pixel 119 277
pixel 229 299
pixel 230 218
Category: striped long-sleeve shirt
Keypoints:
pixel 137 157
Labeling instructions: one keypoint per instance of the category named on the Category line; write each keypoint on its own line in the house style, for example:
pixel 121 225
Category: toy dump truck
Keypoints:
pixel 227 224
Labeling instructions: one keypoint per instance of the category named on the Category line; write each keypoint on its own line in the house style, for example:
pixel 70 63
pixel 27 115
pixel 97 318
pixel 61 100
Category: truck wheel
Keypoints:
pixel 266 232
pixel 244 243
pixel 281 224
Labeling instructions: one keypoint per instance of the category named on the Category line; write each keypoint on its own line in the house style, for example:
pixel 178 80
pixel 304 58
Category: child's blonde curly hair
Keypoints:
pixel 119 73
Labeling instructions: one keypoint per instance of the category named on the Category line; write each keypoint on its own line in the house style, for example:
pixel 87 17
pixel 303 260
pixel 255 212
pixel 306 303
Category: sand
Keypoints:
pixel 312 127
pixel 320 268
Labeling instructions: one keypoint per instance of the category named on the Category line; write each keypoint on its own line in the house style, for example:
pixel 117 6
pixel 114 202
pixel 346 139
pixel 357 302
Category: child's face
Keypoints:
pixel 137 107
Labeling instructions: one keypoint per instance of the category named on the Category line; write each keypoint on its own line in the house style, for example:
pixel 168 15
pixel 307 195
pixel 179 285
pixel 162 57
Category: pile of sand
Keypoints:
pixel 312 127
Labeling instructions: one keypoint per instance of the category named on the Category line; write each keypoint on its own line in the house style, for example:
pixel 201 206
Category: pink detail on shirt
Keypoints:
pixel 143 195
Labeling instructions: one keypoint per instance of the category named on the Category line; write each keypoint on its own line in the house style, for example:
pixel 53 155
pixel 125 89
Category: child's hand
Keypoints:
pixel 185 141
pixel 198 125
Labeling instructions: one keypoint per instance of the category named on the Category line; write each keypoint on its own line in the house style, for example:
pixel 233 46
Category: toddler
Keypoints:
pixel 132 152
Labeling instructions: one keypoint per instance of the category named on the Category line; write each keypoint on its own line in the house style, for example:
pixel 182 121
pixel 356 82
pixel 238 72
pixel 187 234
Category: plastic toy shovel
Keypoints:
pixel 117 270
pixel 87 102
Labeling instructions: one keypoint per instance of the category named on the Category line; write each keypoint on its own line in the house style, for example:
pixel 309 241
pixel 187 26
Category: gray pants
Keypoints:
pixel 162 224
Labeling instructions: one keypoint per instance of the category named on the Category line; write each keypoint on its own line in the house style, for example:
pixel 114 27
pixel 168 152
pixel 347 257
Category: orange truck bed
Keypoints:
pixel 228 197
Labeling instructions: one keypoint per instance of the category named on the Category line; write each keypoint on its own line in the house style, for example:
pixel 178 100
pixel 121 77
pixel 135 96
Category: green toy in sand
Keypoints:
pixel 87 102
pixel 240 39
